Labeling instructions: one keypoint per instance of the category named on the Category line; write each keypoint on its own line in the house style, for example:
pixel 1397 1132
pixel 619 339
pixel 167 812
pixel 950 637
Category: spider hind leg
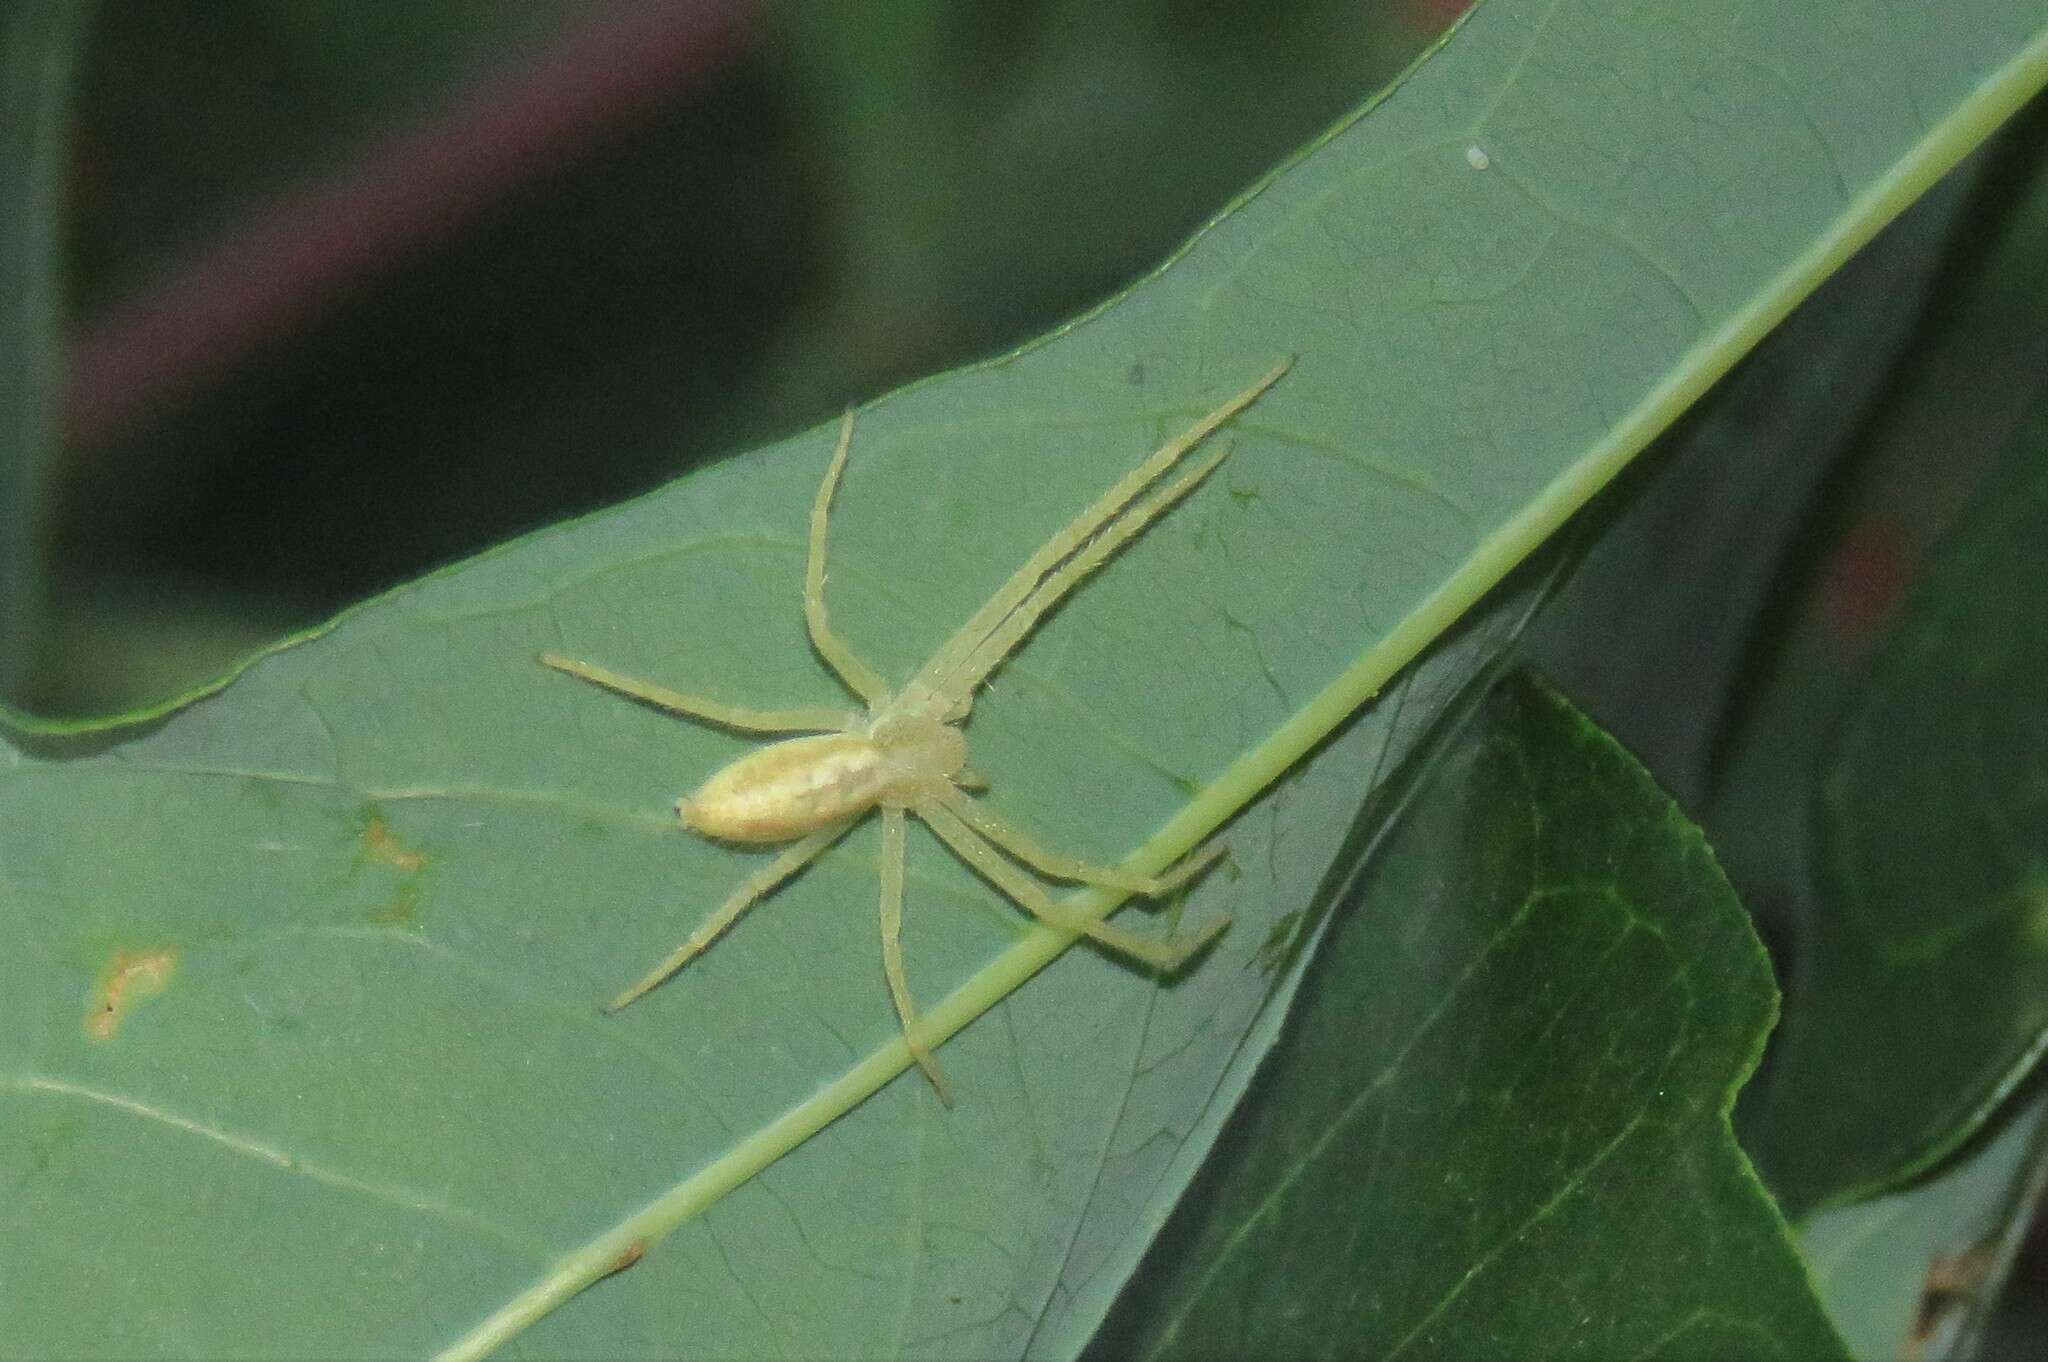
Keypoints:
pixel 750 891
pixel 1164 956
pixel 892 952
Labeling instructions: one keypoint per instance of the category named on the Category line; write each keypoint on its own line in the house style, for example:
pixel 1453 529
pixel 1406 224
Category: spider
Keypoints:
pixel 906 753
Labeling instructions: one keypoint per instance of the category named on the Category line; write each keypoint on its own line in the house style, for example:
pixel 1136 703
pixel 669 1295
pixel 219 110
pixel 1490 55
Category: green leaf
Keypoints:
pixel 1498 1116
pixel 1930 942
pixel 39 43
pixel 302 1049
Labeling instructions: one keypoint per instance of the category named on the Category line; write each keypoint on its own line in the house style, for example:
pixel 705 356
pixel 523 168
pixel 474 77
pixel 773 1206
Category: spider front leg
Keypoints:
pixel 1166 957
pixel 801 719
pixel 859 677
pixel 946 683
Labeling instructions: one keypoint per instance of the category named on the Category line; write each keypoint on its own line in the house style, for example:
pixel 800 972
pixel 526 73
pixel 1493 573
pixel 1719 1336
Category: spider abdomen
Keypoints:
pixel 788 789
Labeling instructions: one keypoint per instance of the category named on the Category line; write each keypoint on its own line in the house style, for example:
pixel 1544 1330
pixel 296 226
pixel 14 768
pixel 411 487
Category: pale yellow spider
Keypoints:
pixel 906 754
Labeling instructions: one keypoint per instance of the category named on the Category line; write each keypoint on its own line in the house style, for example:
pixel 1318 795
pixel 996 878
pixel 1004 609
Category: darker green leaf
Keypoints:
pixel 1497 1122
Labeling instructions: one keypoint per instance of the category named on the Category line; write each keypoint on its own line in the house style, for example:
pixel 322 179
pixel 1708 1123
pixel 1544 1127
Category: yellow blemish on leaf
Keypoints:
pixel 401 910
pixel 133 976
pixel 383 846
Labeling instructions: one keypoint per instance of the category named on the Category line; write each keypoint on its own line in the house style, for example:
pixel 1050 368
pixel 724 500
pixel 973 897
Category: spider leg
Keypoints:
pixel 1004 638
pixel 989 863
pixel 805 719
pixel 892 951
pixel 935 688
pixel 859 677
pixel 751 889
pixel 1009 838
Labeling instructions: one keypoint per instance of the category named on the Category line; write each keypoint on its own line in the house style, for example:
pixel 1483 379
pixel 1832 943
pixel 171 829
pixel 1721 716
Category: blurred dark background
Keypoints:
pixel 359 287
